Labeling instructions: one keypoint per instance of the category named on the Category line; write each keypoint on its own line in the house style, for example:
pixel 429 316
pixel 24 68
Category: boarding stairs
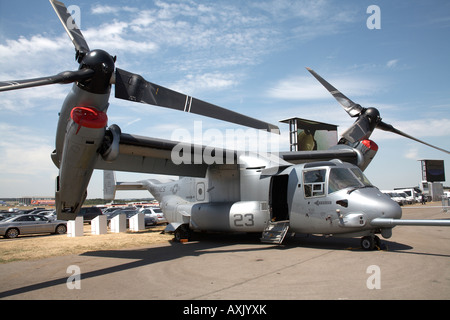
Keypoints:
pixel 275 232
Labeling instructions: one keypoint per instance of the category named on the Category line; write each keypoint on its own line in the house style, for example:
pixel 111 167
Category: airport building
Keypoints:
pixel 433 174
pixel 37 201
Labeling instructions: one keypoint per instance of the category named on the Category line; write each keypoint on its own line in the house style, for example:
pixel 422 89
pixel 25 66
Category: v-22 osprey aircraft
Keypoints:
pixel 312 192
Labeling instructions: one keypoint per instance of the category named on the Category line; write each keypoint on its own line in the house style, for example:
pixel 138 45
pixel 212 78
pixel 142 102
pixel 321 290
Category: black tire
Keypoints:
pixel 181 233
pixel 60 229
pixel 368 243
pixel 12 233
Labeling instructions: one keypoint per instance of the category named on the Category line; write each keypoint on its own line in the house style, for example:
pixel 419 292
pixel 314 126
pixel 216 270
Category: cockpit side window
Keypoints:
pixel 341 178
pixel 360 175
pixel 314 183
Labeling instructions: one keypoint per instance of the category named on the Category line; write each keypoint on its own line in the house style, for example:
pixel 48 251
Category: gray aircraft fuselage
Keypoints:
pixel 330 197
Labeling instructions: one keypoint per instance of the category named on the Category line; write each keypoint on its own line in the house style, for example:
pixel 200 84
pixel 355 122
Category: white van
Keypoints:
pixel 396 196
pixel 411 195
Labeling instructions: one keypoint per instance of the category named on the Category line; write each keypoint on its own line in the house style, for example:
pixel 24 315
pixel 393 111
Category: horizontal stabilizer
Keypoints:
pixel 130 186
pixel 110 186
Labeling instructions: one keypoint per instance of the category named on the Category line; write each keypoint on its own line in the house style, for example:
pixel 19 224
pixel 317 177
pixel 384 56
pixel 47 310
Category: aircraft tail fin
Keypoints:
pixel 110 185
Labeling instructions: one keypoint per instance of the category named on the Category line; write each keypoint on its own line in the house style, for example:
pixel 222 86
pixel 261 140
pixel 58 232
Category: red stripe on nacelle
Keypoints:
pixel 89 117
pixel 370 144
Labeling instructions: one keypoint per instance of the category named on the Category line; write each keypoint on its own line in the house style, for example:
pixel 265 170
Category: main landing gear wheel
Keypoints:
pixel 181 233
pixel 369 243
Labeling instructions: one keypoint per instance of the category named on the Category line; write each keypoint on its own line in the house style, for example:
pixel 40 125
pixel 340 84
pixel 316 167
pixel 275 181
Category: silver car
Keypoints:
pixel 155 213
pixel 30 223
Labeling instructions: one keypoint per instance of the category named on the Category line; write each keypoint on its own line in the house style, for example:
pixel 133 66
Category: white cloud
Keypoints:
pixel 309 19
pixel 106 9
pixel 25 162
pixel 194 83
pixel 308 88
pixel 297 88
pixel 36 44
pixel 115 38
pixel 285 9
pixel 421 128
pixel 39 99
pixel 35 56
pixel 132 122
pixel 217 35
pixel 392 63
pixel 413 153
pixel 425 127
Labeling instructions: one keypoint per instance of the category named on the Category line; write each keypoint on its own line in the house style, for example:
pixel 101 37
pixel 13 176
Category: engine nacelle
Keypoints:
pixel 245 216
pixel 367 149
pixel 84 136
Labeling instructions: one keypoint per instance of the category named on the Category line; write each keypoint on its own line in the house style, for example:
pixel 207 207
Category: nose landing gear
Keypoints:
pixel 369 243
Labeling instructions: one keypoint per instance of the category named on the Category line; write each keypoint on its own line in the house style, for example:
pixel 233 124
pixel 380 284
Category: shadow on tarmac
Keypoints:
pixel 206 244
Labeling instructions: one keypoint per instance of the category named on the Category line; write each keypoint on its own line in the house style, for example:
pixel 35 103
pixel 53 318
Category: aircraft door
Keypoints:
pixel 278 192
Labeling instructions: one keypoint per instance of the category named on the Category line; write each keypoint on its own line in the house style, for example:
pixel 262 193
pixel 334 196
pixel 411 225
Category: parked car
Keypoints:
pixel 89 213
pixel 29 224
pixel 155 213
pixel 111 209
pixel 50 214
pixel 35 211
pixel 150 221
pixel 395 196
pixel 6 215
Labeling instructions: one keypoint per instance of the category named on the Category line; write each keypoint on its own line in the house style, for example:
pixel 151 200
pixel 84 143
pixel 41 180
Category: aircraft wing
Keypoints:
pixel 153 155
pixel 167 157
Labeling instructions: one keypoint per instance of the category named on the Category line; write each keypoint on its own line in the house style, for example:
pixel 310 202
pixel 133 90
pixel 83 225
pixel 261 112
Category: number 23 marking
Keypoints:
pixel 241 220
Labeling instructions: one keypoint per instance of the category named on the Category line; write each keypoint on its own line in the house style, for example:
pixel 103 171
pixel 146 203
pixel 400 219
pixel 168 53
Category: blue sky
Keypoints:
pixel 248 56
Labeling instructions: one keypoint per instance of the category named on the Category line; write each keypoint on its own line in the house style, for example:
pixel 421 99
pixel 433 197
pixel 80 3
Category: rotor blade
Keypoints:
pixel 133 87
pixel 359 130
pixel 387 127
pixel 72 29
pixel 352 108
pixel 63 77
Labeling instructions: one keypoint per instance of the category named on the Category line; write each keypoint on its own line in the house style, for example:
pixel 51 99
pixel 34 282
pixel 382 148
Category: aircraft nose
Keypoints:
pixel 391 209
pixel 376 204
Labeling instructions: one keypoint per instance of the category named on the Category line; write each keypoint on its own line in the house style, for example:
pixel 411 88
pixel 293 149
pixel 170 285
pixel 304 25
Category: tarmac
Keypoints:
pixel 414 264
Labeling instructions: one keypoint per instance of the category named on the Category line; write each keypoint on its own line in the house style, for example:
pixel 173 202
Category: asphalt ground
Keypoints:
pixel 415 264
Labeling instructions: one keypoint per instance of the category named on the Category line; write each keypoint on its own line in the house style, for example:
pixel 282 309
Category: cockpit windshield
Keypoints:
pixel 341 178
